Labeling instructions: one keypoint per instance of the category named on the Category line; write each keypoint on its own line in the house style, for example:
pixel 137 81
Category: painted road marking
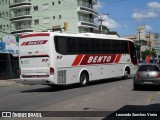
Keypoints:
pixel 102 93
pixel 70 105
pixel 112 90
pixel 152 97
pixel 86 99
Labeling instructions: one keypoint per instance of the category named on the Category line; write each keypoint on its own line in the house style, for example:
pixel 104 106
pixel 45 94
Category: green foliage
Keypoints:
pixel 148 52
pixel 106 30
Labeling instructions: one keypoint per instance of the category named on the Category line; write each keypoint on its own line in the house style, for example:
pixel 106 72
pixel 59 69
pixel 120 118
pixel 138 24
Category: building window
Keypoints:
pixel 52 3
pixel 0 15
pixel 4 27
pixel 9 13
pixel 36 22
pixel 6 14
pixel 10 27
pixel 60 16
pixel 59 2
pixel 7 27
pixel 3 14
pixel 45 6
pixel 2 2
pixel 0 27
pixel 6 1
pixel 54 17
pixel 35 8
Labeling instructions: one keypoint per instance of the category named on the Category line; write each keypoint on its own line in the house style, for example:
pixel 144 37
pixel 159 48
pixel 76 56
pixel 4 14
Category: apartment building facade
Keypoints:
pixel 147 40
pixel 5 15
pixel 39 15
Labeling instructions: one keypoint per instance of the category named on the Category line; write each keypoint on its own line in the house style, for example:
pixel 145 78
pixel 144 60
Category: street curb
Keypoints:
pixel 9 82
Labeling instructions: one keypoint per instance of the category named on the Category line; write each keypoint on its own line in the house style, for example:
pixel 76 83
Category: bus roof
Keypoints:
pixel 88 35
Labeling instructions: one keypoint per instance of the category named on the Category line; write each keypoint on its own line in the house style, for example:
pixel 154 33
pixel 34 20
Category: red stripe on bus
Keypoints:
pixel 35 35
pixel 39 42
pixel 118 58
pixel 23 43
pixel 98 59
pixel 77 60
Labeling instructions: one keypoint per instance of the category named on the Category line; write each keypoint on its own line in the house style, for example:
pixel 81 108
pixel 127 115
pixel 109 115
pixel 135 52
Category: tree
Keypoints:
pixel 148 52
pixel 106 30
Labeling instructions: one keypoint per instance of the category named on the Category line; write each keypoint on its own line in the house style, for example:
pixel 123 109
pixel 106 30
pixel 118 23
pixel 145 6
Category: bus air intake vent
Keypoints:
pixel 62 77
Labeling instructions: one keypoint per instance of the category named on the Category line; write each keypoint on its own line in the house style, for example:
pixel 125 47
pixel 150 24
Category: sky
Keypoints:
pixel 124 16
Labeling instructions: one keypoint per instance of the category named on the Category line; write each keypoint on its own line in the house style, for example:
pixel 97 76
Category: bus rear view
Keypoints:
pixel 35 58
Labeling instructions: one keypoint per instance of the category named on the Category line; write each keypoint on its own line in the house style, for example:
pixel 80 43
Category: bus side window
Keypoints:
pixel 124 47
pixel 60 43
pixel 133 52
pixel 81 45
pixel 86 46
pixel 106 46
pixel 116 47
pixel 72 45
pixel 93 46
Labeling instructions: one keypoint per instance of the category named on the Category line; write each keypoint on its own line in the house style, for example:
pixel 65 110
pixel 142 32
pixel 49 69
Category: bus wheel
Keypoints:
pixel 84 79
pixel 125 75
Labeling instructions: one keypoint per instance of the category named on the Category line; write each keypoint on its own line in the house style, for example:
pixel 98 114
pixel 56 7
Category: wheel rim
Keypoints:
pixel 126 74
pixel 83 79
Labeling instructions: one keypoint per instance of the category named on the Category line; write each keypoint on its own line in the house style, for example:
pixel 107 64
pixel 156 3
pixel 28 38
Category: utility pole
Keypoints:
pixel 101 26
pixel 139 45
pixel 101 21
pixel 149 41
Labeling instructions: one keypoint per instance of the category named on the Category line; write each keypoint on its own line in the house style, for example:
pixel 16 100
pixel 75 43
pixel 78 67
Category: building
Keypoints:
pixel 143 43
pixel 22 16
pixel 5 15
pixel 77 16
pixel 147 40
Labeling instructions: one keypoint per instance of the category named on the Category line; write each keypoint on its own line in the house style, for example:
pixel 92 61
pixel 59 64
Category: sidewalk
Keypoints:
pixel 9 82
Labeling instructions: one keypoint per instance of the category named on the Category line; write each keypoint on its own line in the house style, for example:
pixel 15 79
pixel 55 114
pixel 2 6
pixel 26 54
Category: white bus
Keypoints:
pixel 51 58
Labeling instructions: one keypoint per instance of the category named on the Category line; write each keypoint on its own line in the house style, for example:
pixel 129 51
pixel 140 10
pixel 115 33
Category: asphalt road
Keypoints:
pixel 112 95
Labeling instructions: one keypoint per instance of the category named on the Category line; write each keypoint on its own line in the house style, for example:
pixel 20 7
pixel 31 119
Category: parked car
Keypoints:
pixel 158 62
pixel 147 74
pixel 141 62
pixel 153 61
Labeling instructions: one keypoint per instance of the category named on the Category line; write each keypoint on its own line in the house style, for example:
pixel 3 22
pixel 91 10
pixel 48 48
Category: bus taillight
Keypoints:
pixel 51 71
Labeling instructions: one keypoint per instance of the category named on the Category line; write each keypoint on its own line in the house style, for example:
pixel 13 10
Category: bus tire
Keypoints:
pixel 126 74
pixel 84 79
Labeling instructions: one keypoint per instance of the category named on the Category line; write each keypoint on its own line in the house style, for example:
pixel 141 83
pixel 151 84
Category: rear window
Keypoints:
pixel 148 68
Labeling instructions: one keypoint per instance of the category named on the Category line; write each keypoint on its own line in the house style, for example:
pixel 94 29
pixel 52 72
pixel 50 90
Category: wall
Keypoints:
pixel 58 13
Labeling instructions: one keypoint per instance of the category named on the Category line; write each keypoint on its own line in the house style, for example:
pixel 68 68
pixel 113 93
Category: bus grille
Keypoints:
pixel 62 77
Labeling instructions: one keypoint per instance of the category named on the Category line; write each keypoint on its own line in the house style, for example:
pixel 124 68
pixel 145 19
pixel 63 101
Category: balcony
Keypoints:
pixel 20 4
pixel 19 29
pixel 86 19
pixel 86 8
pixel 21 16
pixel 86 22
pixel 84 4
pixel 94 2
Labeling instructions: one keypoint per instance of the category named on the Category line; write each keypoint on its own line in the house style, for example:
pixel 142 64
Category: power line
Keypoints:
pixel 116 1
